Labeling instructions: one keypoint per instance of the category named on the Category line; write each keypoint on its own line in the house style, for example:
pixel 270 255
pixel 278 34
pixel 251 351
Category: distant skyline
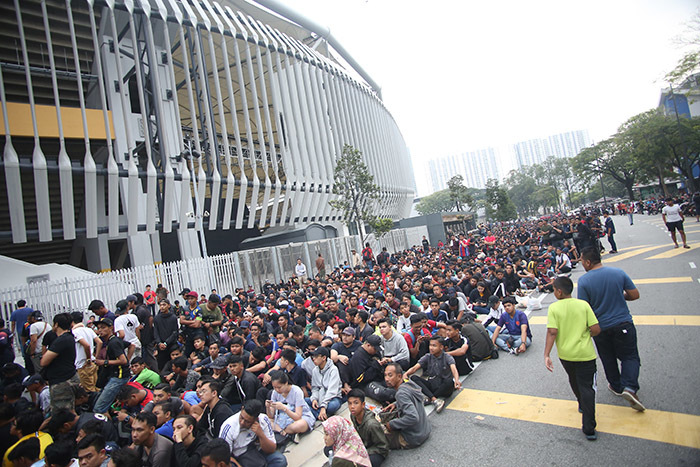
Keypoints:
pixel 460 76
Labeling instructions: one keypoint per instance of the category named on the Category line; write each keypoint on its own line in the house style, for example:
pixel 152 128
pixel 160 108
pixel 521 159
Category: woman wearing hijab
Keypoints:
pixel 346 444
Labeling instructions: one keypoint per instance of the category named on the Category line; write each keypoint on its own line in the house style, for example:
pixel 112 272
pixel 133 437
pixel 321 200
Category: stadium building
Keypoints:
pixel 141 131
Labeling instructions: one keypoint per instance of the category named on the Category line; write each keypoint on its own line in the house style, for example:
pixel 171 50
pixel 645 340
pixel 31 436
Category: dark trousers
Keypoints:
pixel 582 378
pixel 620 343
pixel 376 459
pixel 611 240
pixel 147 351
pixel 435 387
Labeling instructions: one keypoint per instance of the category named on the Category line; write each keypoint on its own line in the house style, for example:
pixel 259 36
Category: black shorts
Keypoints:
pixel 673 226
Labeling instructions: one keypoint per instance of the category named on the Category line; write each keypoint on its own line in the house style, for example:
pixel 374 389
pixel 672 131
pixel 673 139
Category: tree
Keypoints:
pixel 381 226
pixel 689 63
pixel 609 157
pixel 437 202
pixel 498 204
pixel 355 188
pixel 459 194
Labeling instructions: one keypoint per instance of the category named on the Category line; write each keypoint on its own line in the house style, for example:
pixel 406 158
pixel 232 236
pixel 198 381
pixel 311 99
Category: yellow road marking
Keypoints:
pixel 675 252
pixel 630 254
pixel 663 280
pixel 655 425
pixel 646 320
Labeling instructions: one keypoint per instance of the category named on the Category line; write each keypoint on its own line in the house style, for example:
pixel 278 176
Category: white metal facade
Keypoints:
pixel 219 121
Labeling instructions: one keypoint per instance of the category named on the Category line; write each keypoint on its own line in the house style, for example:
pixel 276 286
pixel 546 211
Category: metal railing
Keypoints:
pixel 223 272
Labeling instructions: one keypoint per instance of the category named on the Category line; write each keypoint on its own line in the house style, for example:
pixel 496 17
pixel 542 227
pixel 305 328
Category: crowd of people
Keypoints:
pixel 189 379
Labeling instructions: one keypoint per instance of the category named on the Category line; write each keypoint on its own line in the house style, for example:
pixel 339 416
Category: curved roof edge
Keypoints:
pixel 285 11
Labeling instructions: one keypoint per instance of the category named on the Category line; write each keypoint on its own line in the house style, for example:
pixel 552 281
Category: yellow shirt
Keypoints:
pixel 572 318
pixel 44 440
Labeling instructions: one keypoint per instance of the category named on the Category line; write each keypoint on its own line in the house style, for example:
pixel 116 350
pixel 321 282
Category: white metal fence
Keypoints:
pixel 223 272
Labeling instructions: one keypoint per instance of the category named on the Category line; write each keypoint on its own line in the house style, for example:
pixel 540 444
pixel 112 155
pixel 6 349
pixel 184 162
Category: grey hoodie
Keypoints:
pixel 412 420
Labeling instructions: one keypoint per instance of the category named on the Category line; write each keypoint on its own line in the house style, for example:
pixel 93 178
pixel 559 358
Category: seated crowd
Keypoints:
pixel 231 381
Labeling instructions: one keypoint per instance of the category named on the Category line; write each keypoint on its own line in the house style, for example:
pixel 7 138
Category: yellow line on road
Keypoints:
pixel 630 254
pixel 654 425
pixel 646 320
pixel 663 280
pixel 675 252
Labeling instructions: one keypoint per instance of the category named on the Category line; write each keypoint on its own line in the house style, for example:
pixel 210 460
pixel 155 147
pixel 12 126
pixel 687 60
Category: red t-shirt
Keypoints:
pixel 150 297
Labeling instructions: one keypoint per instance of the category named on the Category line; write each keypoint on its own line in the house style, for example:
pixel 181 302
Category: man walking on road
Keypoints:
pixel 607 290
pixel 571 323
pixel 673 218
pixel 610 231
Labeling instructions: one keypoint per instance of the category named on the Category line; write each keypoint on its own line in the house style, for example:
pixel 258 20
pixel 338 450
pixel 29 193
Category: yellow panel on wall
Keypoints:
pixel 21 121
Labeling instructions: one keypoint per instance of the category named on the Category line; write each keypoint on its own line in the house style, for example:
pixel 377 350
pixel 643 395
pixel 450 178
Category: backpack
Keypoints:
pixel 479 341
pixel 367 254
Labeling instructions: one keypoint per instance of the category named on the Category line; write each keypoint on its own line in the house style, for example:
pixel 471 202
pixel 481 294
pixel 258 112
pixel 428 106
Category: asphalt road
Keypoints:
pixel 669 377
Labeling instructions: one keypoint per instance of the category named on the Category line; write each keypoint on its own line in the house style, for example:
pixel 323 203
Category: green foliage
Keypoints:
pixel 459 194
pixel 498 204
pixel 355 188
pixel 381 226
pixel 437 202
pixel 689 63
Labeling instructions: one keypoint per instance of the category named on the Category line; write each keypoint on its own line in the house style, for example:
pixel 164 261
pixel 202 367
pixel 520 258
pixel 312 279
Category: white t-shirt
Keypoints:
pixel 128 323
pixel 81 332
pixel 673 213
pixel 564 260
pixel 39 329
pixel 496 314
pixel 300 269
pixel 240 439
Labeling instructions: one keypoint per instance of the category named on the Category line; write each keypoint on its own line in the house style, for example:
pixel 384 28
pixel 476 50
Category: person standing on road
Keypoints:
pixel 610 231
pixel 300 272
pixel 571 323
pixel 321 266
pixel 607 290
pixel 673 218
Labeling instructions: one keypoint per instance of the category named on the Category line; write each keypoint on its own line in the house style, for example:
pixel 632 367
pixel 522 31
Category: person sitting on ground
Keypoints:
pixel 369 429
pixel 496 309
pixel 125 457
pixel 187 450
pixel 440 376
pixel 417 338
pixel 217 453
pixel 512 333
pixel 394 345
pixel 25 453
pixel 153 449
pixel 164 415
pixel 13 395
pixel 341 437
pixel 241 385
pixel 411 427
pixel 92 451
pixel 27 426
pixel 458 347
pixel 342 351
pixel 142 374
pixel 216 410
pixel 326 395
pixel 287 407
pixel 60 454
pixel 251 438
pixel 563 264
pixel 185 378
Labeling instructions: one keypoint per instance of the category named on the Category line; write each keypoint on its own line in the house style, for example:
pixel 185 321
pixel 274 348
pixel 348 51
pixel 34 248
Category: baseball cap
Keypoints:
pixel 493 299
pixel 184 292
pixel 219 364
pixel 350 331
pixel 374 340
pixel 120 306
pixel 131 298
pixel 33 379
pixel 105 322
pixel 191 293
pixel 291 342
pixel 36 314
pixel 321 351
pixel 244 324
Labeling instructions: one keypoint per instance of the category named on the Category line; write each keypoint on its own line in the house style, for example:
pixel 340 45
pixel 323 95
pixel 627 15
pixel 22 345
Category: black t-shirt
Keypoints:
pixel 115 349
pixel 144 316
pixel 49 337
pixel 342 350
pixel 62 368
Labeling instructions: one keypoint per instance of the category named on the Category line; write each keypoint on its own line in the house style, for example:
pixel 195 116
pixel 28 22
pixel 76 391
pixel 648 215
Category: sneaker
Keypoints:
pixel 634 401
pixel 439 405
pixel 611 389
pixel 512 351
pixel 592 437
pixel 427 401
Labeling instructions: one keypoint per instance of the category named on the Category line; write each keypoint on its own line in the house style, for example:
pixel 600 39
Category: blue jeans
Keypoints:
pixel 331 408
pixel 108 394
pixel 620 343
pixel 503 337
pixel 276 459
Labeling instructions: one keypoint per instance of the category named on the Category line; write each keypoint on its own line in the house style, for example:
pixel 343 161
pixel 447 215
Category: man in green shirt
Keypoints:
pixel 143 375
pixel 212 317
pixel 367 426
pixel 571 323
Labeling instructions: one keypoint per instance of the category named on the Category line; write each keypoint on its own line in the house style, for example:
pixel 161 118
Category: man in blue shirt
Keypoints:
pixel 512 333
pixel 19 317
pixel 610 231
pixel 607 290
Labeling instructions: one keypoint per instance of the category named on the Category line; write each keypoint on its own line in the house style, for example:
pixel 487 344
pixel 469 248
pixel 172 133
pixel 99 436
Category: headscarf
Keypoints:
pixel 347 444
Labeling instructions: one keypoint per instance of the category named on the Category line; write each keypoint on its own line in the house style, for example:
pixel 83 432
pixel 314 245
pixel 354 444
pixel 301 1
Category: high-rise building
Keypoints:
pixel 475 166
pixel 535 151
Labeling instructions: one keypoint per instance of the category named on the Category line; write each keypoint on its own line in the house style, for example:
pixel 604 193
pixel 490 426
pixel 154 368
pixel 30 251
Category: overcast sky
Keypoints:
pixel 464 75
